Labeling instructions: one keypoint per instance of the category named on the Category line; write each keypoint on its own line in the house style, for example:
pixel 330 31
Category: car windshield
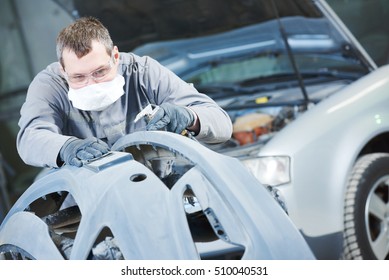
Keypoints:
pixel 252 68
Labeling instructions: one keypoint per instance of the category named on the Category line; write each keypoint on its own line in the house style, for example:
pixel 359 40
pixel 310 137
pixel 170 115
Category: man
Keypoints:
pixel 78 107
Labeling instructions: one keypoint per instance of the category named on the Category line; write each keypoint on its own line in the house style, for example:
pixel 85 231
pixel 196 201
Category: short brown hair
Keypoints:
pixel 79 35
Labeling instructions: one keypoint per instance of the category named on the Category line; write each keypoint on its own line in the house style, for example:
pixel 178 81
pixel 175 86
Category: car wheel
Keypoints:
pixel 366 215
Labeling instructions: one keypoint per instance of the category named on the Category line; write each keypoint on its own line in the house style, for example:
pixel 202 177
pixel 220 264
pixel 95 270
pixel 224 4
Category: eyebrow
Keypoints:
pixel 83 74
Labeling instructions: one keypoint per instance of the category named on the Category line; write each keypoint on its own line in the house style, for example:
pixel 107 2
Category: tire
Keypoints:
pixel 366 210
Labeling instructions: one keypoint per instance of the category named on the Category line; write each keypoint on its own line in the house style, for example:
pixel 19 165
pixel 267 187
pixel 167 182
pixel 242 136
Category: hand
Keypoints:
pixel 174 118
pixel 75 150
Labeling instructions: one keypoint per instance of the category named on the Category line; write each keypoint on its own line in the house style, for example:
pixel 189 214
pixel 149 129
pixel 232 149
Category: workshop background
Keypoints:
pixel 29 28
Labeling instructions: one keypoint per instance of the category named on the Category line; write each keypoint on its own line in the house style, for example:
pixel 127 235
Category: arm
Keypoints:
pixel 42 118
pixel 213 123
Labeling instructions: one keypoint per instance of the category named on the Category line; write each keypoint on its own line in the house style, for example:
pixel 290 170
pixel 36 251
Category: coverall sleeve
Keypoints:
pixel 42 118
pixel 215 123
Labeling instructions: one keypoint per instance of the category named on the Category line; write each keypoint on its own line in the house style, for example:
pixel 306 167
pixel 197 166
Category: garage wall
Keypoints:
pixel 28 29
pixel 368 20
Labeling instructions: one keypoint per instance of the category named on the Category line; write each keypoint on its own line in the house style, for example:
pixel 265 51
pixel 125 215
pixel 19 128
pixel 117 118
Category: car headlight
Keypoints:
pixel 273 171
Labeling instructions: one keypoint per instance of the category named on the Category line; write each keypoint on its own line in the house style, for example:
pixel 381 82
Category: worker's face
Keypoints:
pixel 95 67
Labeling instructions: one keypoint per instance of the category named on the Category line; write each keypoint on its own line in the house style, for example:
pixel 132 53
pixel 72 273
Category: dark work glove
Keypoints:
pixel 75 150
pixel 172 117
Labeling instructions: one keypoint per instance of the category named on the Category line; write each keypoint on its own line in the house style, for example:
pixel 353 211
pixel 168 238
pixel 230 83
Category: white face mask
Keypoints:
pixel 97 97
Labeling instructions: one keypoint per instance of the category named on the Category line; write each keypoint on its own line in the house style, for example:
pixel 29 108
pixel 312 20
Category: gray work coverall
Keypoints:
pixel 48 118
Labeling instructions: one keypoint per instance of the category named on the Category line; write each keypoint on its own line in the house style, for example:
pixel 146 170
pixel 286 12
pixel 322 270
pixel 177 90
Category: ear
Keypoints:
pixel 116 54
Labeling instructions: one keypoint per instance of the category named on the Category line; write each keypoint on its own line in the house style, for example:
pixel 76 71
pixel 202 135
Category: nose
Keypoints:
pixel 90 80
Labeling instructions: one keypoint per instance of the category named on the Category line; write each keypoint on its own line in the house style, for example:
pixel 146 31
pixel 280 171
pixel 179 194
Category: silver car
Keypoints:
pixel 332 166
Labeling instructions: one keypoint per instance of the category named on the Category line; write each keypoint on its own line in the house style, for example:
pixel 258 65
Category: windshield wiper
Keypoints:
pixel 291 56
pixel 309 76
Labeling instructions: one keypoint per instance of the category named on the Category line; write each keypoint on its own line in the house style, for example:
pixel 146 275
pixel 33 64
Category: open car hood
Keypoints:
pixel 133 22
